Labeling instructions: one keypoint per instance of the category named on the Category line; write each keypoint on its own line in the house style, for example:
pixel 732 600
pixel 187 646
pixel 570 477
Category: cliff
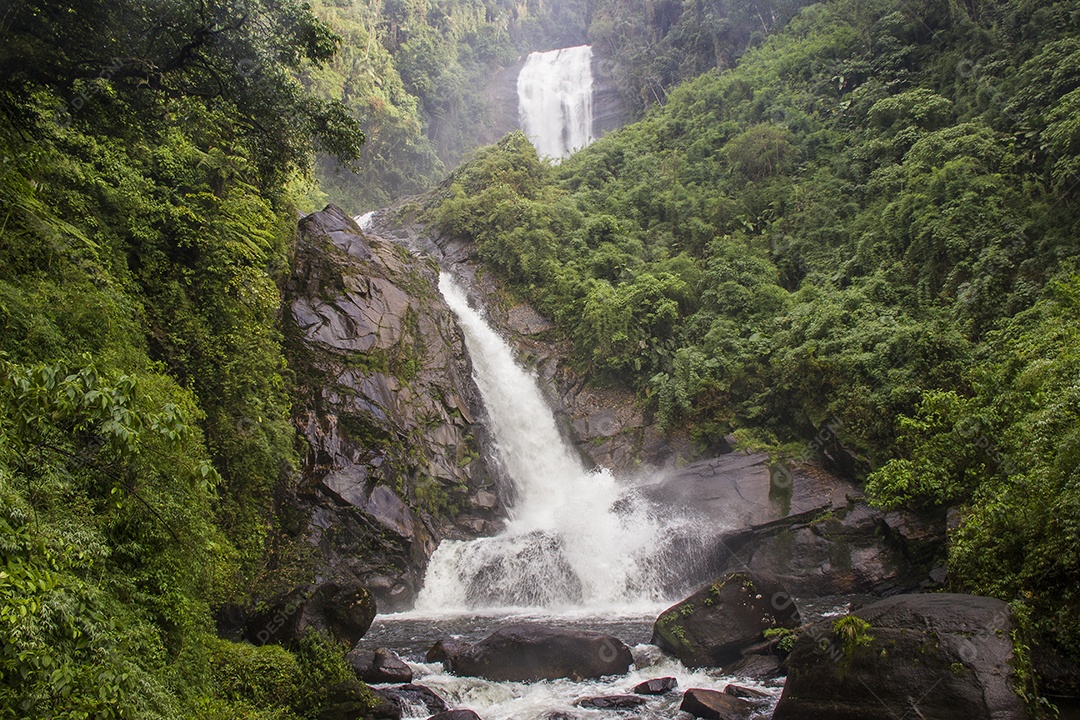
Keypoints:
pixel 395 457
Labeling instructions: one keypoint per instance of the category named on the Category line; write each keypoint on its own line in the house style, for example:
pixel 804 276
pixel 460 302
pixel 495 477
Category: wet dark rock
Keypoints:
pixel 385 709
pixel 343 609
pixel 387 406
pixel 446 651
pixel 379 666
pixel 714 705
pixel 712 626
pixel 808 528
pixel 656 686
pixel 527 653
pixel 746 693
pixel 611 702
pixel 411 694
pixel 455 715
pixel 942 656
pixel 756 667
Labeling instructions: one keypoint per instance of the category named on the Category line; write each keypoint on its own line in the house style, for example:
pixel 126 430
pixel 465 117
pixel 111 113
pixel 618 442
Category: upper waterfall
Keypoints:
pixel 555 100
pixel 575 538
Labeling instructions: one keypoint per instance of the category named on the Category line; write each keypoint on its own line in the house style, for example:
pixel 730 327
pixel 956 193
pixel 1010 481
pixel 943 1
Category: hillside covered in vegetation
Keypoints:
pixel 861 241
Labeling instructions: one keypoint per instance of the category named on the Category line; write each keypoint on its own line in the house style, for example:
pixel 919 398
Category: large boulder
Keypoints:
pixel 446 651
pixel 711 627
pixel 808 528
pixel 656 686
pixel 713 705
pixel 933 656
pixel 345 610
pixel 379 666
pixel 455 715
pixel 527 653
pixel 610 702
pixel 411 696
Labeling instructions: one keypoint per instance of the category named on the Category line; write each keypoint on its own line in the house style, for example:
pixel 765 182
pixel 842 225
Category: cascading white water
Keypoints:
pixel 575 538
pixel 555 100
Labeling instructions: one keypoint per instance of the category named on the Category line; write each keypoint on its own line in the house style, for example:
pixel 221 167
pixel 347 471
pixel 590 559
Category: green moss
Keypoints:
pixel 785 638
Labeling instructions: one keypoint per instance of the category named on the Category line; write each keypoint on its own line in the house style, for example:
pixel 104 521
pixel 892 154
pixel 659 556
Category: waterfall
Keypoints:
pixel 575 538
pixel 555 100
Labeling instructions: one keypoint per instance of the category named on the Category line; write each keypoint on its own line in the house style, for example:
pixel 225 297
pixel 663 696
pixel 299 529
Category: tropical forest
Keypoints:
pixel 328 391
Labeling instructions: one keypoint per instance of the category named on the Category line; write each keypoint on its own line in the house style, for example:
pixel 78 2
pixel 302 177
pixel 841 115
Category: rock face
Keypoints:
pixel 389 410
pixel 807 528
pixel 940 656
pixel 712 626
pixel 609 108
pixel 345 610
pixel 379 666
pixel 527 653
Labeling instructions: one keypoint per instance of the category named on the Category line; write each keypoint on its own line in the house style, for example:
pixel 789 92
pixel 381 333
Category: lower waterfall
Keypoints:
pixel 576 538
pixel 580 551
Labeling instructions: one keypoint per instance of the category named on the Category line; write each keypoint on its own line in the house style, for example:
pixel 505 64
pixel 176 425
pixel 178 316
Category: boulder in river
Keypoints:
pixel 714 705
pixel 709 628
pixel 412 695
pixel 527 653
pixel 756 667
pixel 746 693
pixel 656 686
pixel 942 656
pixel 379 666
pixel 810 529
pixel 446 650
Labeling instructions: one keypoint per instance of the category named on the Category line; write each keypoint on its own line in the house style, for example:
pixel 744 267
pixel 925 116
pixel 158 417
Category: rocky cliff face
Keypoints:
pixel 396 454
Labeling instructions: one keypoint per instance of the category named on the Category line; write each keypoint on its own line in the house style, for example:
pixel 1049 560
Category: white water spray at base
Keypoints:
pixel 575 538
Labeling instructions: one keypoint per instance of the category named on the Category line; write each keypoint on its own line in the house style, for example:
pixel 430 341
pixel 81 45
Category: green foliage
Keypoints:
pixel 853 633
pixel 785 638
pixel 144 418
pixel 1006 452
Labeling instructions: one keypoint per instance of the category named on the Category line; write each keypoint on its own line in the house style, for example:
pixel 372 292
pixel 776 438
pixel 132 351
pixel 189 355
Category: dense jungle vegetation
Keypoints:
pixel 865 232
pixel 150 157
